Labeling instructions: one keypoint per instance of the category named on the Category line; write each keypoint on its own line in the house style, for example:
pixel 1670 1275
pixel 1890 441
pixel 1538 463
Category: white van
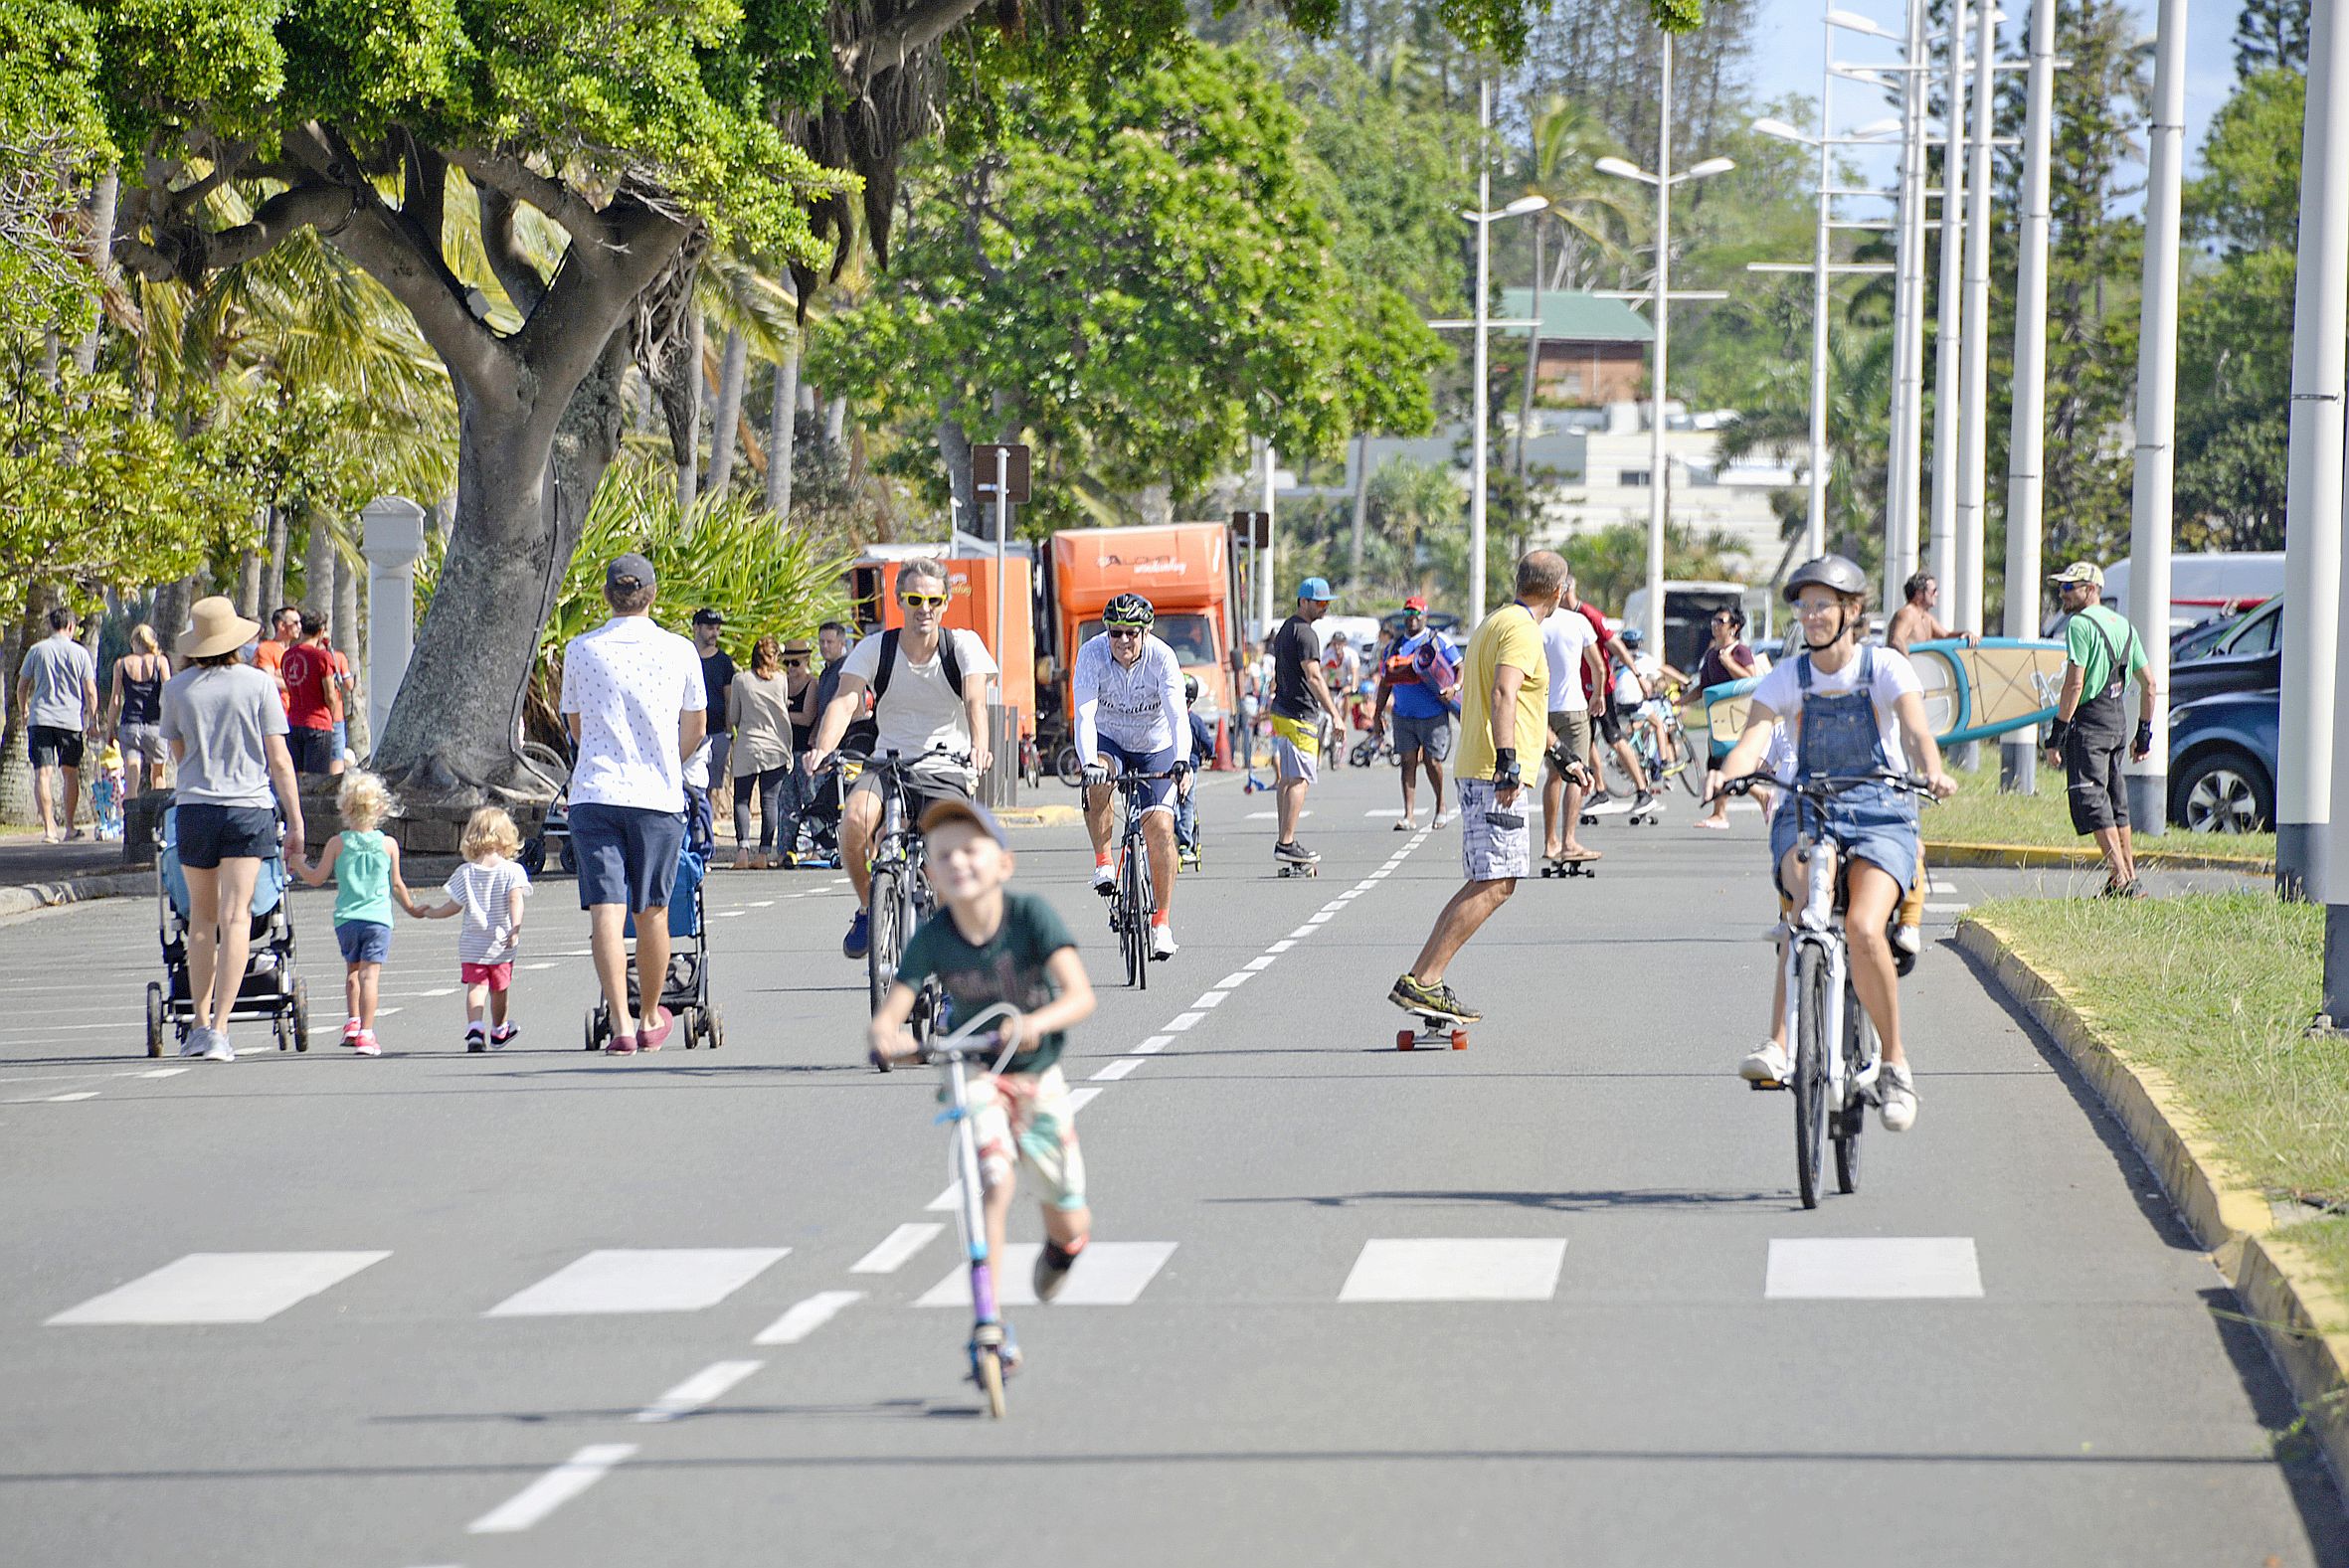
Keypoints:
pixel 2203 586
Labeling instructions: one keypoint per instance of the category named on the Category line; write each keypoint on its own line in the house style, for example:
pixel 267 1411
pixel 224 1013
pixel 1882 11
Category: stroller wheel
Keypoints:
pixel 713 1028
pixel 302 1016
pixel 595 1029
pixel 154 1018
pixel 280 1033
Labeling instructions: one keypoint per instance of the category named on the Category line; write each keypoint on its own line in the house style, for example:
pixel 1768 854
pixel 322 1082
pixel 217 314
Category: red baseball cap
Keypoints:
pixel 1415 602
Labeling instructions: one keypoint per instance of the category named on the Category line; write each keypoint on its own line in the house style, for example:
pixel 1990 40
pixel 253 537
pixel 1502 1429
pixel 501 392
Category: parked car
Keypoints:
pixel 2242 654
pixel 2222 750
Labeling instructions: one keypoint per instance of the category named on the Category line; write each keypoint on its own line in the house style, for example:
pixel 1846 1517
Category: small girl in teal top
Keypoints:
pixel 365 866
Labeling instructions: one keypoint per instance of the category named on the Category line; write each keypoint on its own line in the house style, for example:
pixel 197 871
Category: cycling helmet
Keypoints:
pixel 1633 636
pixel 1191 688
pixel 1128 610
pixel 1833 572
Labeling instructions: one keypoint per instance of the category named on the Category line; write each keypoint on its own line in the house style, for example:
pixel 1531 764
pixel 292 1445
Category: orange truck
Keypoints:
pixel 972 594
pixel 1186 571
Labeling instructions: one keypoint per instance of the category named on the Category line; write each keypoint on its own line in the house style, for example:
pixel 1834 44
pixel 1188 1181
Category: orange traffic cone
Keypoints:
pixel 1222 745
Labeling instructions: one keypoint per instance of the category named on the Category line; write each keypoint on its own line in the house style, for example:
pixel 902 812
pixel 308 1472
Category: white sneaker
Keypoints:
pixel 218 1050
pixel 1161 942
pixel 1899 1091
pixel 1104 880
pixel 1908 939
pixel 1767 1065
pixel 194 1043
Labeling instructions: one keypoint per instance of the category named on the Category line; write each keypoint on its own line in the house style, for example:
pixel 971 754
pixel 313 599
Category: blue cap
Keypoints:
pixel 1314 588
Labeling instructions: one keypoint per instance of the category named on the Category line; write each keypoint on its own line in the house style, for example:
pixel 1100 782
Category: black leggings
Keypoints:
pixel 770 786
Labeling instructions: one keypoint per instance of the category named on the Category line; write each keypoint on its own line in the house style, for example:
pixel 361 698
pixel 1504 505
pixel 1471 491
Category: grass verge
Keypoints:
pixel 1983 814
pixel 2215 990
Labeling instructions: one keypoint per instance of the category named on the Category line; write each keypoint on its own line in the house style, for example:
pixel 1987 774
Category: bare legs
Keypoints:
pixel 1872 893
pixel 220 935
pixel 1468 909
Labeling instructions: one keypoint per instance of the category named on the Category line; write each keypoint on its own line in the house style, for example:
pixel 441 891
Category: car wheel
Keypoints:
pixel 2225 791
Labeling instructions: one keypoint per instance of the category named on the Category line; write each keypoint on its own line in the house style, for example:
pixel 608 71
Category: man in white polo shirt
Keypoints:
pixel 634 698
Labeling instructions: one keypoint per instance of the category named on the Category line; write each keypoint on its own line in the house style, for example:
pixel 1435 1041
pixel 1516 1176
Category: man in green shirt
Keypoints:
pixel 2102 652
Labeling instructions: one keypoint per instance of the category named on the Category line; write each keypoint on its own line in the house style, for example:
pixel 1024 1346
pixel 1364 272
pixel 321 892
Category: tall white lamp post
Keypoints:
pixel 1663 180
pixel 2027 439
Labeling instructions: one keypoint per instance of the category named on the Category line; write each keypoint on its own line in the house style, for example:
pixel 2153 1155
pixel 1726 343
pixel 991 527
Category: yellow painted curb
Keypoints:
pixel 2029 857
pixel 2305 1322
pixel 1039 815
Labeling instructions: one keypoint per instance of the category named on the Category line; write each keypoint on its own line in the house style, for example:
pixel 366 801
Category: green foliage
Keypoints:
pixel 2271 33
pixel 1608 563
pixel 2248 198
pixel 49 130
pixel 1140 284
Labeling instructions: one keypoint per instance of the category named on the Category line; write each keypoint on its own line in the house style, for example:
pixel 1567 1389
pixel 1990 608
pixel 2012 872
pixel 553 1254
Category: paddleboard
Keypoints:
pixel 1972 693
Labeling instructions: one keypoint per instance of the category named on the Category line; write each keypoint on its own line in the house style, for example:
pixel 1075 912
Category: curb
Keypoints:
pixel 2033 858
pixel 33 898
pixel 1039 815
pixel 2298 1318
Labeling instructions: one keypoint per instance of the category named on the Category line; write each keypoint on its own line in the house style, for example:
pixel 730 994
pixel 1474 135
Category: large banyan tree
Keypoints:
pixel 646 132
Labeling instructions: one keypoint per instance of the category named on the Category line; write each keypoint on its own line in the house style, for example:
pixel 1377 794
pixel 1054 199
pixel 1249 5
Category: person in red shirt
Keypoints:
pixel 268 655
pixel 308 670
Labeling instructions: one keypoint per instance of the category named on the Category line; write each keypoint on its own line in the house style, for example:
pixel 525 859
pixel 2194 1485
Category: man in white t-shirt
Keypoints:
pixel 1570 646
pixel 1131 712
pixel 928 707
pixel 633 699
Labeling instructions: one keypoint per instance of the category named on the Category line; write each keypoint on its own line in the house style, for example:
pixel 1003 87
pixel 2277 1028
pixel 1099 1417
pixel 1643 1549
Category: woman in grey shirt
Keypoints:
pixel 226 727
pixel 759 711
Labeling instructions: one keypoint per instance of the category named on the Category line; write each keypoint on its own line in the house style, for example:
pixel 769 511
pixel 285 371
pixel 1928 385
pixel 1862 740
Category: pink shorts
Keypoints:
pixel 497 977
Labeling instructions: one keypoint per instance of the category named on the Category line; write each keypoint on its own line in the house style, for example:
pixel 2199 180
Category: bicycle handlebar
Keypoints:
pixel 1820 786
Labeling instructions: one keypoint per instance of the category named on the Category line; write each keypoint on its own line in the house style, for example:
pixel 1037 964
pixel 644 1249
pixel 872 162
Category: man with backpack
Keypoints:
pixel 2101 651
pixel 929 689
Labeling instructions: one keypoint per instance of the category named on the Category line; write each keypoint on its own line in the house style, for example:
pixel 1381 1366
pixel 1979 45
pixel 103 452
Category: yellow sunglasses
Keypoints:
pixel 921 601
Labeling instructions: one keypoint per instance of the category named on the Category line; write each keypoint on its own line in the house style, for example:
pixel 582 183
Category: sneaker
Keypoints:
pixel 196 1043
pixel 1052 1266
pixel 859 936
pixel 475 1041
pixel 1161 941
pixel 1294 851
pixel 621 1045
pixel 1645 800
pixel 503 1036
pixel 350 1031
pixel 364 1043
pixel 1908 939
pixel 1413 996
pixel 1898 1092
pixel 1767 1065
pixel 218 1048
pixel 1104 880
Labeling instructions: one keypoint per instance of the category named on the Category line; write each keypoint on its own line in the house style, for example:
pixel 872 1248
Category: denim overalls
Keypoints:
pixel 1839 736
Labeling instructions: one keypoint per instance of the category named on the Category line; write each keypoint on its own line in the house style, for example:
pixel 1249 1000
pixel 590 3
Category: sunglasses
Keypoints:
pixel 1127 635
pixel 921 601
pixel 795 662
pixel 1723 620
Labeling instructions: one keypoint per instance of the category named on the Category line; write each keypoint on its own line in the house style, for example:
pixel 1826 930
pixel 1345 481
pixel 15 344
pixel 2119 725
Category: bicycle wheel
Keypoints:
pixel 1810 1071
pixel 990 1378
pixel 884 941
pixel 1134 882
pixel 1692 768
pixel 1859 1044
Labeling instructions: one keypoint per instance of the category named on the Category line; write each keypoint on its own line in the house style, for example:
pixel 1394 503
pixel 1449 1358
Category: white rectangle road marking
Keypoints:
pixel 641 1279
pixel 552 1489
pixel 1078 1099
pixel 1182 1021
pixel 897 1247
pixel 1211 1000
pixel 1154 1045
pixel 164 1072
pixel 221 1288
pixel 1456 1269
pixel 805 1318
pixel 1392 811
pixel 1107 1274
pixel 712 1382
pixel 1873 1268
pixel 946 1202
pixel 1307 929
pixel 85 1094
pixel 1946 909
pixel 1235 979
pixel 1259 966
pixel 1117 1068
pixel 1282 946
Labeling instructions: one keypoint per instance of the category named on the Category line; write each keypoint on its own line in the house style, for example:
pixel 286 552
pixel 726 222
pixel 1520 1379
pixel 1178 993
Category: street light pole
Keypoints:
pixel 2027 440
pixel 1484 393
pixel 1973 433
pixel 1658 474
pixel 1815 529
pixel 1906 424
pixel 1946 373
pixel 2151 523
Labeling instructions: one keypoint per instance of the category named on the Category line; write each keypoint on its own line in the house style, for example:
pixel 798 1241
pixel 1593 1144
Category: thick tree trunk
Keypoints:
pixel 733 362
pixel 836 421
pixel 279 543
pixel 103 199
pixel 783 428
pixel 249 585
pixel 317 575
pixel 350 635
pixel 524 482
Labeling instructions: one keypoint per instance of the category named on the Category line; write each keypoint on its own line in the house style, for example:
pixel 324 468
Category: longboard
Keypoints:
pixel 1970 693
pixel 1435 1028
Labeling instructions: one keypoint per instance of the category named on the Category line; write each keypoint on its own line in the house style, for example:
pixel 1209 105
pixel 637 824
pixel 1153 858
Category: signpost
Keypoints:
pixel 1000 471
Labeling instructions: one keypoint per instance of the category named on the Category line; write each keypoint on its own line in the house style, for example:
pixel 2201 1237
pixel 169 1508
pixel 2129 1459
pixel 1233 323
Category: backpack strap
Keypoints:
pixel 886 667
pixel 946 658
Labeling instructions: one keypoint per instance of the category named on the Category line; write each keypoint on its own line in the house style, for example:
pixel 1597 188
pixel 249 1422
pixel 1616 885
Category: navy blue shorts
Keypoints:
pixel 210 834
pixel 628 854
pixel 363 941
pixel 1156 794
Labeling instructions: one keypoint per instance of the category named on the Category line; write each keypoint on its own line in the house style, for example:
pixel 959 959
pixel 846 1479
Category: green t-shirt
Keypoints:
pixel 2091 648
pixel 363 879
pixel 1009 967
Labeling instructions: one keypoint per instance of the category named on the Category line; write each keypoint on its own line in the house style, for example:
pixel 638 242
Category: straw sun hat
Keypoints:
pixel 215 629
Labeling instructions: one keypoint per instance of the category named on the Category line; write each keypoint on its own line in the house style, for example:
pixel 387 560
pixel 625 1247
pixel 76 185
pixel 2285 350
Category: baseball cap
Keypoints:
pixel 631 571
pixel 951 810
pixel 2081 571
pixel 1314 588
pixel 1416 601
pixel 706 617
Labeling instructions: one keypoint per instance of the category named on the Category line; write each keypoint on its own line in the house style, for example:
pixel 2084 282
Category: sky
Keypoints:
pixel 1789 40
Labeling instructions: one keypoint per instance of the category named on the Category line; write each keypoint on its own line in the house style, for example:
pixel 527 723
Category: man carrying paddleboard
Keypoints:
pixel 1915 621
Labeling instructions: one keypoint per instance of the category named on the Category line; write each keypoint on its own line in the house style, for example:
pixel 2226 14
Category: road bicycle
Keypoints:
pixel 901 895
pixel 1837 1060
pixel 974 1041
pixel 1132 897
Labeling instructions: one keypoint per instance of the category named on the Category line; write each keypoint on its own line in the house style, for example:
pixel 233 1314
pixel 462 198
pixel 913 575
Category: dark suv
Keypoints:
pixel 2225 713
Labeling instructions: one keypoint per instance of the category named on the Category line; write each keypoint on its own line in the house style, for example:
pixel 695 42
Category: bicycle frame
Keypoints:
pixel 1816 926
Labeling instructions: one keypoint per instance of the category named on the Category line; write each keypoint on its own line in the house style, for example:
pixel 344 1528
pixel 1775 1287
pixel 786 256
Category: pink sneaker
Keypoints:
pixel 364 1043
pixel 650 1033
pixel 350 1031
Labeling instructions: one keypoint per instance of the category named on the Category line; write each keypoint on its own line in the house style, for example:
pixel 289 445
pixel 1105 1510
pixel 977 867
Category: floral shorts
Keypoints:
pixel 1026 1117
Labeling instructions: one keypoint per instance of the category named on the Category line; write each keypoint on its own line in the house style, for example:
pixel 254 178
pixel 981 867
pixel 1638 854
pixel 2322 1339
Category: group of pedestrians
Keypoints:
pixel 762 717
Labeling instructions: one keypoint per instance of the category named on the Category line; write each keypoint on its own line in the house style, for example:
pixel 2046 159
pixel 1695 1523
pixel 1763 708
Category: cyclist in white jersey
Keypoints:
pixel 1131 712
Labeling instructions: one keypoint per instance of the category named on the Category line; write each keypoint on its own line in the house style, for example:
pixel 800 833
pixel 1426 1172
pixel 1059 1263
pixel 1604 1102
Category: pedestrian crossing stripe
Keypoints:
pixel 1873 1268
pixel 1456 1269
pixel 1107 1274
pixel 220 1288
pixel 641 1279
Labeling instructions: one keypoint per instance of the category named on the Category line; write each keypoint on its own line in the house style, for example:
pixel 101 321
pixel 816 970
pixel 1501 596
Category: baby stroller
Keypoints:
pixel 271 989
pixel 685 989
pixel 819 818
pixel 554 834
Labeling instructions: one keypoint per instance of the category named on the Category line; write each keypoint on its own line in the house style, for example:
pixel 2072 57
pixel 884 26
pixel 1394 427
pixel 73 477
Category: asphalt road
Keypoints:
pixel 1546 1300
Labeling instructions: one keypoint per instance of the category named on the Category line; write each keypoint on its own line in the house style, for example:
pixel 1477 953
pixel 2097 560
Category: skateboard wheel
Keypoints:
pixel 1404 1039
pixel 1459 1039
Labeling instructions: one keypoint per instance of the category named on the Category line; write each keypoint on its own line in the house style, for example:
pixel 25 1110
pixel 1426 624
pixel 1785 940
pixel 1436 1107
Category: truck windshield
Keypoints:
pixel 1187 634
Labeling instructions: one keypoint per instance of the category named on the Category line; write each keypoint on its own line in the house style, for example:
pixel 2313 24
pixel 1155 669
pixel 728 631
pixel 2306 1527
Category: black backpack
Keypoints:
pixel 862 734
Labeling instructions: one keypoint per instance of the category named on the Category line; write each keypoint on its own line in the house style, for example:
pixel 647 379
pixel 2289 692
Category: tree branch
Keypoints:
pixel 504 172
pixel 516 273
pixel 917 26
pixel 585 303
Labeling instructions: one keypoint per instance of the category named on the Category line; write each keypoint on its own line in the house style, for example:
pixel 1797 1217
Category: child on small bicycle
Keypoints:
pixel 1851 711
pixel 990 944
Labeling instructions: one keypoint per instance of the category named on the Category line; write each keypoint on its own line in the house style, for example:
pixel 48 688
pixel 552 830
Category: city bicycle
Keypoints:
pixel 1132 899
pixel 901 896
pixel 1678 757
pixel 1837 1058
pixel 974 1041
